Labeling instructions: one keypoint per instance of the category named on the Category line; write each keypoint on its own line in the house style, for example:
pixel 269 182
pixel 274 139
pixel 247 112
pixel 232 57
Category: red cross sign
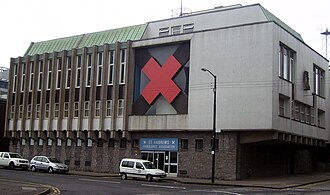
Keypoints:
pixel 161 79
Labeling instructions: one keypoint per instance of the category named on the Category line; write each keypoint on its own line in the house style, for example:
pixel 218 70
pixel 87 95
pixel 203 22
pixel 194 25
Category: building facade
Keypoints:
pixel 139 91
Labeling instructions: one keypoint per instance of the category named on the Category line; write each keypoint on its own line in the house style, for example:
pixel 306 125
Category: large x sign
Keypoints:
pixel 161 79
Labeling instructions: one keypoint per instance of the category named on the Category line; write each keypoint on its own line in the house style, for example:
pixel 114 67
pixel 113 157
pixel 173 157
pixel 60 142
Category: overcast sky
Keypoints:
pixel 26 21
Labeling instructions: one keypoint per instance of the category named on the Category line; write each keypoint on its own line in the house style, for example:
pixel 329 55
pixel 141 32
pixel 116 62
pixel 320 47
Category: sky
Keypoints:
pixel 26 21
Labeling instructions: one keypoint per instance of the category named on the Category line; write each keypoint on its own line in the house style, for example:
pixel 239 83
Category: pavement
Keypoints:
pixel 282 182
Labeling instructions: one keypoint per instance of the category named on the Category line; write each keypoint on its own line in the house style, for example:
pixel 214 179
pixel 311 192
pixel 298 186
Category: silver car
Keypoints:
pixel 49 164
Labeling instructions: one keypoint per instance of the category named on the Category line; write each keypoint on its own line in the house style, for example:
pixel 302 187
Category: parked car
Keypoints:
pixel 138 168
pixel 13 160
pixel 49 164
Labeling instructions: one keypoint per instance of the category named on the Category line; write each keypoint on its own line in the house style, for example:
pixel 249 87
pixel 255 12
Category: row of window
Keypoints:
pixel 174 30
pixel 86 109
pixel 287 61
pixel 57 71
pixel 184 143
pixel 300 112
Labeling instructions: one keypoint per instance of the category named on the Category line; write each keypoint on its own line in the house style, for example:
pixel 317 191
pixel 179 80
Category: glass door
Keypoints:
pixel 171 163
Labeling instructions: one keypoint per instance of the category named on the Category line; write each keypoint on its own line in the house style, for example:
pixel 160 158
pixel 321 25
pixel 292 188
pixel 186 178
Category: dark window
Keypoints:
pixel 199 144
pixel 184 144
pixel 88 163
pixel 135 143
pixel 123 143
pixel 139 165
pixel 77 162
pixel 99 143
pixel 67 162
pixel 111 143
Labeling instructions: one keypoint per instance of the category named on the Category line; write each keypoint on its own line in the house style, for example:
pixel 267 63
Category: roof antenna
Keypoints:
pixel 326 33
pixel 182 11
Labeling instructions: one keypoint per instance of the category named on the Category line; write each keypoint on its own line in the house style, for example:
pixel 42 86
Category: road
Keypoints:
pixel 81 185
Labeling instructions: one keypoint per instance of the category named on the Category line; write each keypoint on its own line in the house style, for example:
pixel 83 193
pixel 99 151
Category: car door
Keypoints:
pixel 44 163
pixel 140 169
pixel 5 159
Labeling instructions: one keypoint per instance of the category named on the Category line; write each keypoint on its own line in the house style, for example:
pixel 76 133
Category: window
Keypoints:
pixel 68 72
pixel 76 109
pixel 59 71
pixel 32 142
pixel 38 111
pixel 56 110
pixel 68 142
pixel 49 142
pixel 29 109
pixel 319 81
pixel 20 111
pixel 89 70
pixel 109 107
pixel 23 77
pixel 59 142
pixel 321 118
pixel 97 108
pixel 111 65
pixel 187 28
pixel 40 142
pixel 79 142
pixel 286 62
pixel 66 109
pixel 78 70
pixel 302 112
pixel 184 144
pixel 23 141
pixel 122 73
pixel 47 110
pixel 99 69
pixel 15 78
pixel 40 75
pixel 49 75
pixel 120 107
pixel 111 142
pixel 100 142
pixel 139 165
pixel 135 143
pixel 175 30
pixel 199 144
pixel 89 143
pixel 123 143
pixel 86 107
pixel 31 76
pixel 12 111
pixel 164 31
pixel 284 106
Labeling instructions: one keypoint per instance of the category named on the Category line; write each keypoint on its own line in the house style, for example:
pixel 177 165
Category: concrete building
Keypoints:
pixel 139 91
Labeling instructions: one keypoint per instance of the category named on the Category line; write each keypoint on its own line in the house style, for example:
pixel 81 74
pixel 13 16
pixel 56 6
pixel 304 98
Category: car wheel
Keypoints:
pixel 50 170
pixel 123 176
pixel 33 168
pixel 11 166
pixel 149 177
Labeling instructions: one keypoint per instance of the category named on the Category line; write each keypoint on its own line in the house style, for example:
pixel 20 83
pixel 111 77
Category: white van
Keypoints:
pixel 138 168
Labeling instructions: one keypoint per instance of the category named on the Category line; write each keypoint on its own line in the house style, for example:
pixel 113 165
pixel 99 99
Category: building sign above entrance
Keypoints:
pixel 156 144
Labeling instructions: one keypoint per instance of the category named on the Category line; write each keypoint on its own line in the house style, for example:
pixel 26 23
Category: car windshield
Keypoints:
pixel 54 160
pixel 149 165
pixel 14 155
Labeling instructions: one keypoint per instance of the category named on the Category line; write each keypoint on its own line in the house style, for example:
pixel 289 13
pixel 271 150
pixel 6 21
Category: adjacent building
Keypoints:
pixel 139 91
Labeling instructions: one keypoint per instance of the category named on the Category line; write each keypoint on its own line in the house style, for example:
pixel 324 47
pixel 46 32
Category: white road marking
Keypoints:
pixel 101 181
pixel 215 191
pixel 29 188
pixel 159 186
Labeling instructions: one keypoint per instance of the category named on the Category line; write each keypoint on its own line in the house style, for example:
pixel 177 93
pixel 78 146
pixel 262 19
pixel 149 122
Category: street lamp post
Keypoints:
pixel 214 119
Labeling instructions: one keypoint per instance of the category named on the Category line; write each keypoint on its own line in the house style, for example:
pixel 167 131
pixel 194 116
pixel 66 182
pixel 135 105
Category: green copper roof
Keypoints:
pixel 273 18
pixel 87 40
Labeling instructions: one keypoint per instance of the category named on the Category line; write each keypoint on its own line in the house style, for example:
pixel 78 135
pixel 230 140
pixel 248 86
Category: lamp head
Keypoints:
pixel 204 69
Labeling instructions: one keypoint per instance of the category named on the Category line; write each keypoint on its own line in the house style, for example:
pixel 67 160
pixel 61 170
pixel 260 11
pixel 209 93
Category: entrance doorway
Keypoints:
pixel 164 160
